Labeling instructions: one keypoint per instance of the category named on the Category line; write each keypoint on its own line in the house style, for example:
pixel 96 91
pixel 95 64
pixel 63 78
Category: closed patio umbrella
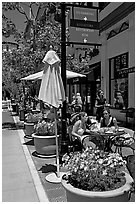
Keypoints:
pixel 52 92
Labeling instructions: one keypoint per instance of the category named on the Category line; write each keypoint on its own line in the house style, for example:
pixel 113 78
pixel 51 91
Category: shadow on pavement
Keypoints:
pixel 14 114
pixel 48 168
pixel 30 142
pixel 35 154
pixel 9 125
pixel 19 125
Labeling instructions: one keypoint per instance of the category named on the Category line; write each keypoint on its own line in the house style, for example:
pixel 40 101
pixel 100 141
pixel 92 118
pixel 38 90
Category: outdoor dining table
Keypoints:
pixel 105 138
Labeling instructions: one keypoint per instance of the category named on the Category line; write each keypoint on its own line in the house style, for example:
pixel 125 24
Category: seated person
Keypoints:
pixel 107 120
pixel 90 122
pixel 80 128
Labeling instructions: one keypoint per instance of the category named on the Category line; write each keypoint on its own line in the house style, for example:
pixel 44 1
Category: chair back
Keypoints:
pixel 74 118
pixel 130 112
pixel 131 132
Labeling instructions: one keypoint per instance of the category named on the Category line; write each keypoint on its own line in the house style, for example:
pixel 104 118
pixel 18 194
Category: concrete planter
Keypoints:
pixel 22 115
pixel 15 107
pixel 45 145
pixel 118 195
pixel 29 129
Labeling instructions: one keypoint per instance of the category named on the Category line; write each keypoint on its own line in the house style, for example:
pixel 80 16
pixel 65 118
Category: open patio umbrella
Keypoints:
pixel 52 92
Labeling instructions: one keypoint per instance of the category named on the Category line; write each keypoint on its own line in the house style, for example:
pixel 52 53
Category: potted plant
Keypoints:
pixel 21 111
pixel 30 120
pixel 15 107
pixel 44 138
pixel 96 176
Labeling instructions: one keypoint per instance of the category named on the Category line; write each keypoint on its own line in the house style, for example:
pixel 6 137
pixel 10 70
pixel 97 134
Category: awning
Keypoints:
pixel 38 75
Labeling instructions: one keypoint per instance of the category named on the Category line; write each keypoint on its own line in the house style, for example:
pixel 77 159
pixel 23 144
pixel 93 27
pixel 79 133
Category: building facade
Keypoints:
pixel 117 53
pixel 113 68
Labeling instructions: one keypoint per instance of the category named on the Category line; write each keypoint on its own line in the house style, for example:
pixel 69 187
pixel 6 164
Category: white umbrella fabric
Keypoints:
pixel 39 75
pixel 52 92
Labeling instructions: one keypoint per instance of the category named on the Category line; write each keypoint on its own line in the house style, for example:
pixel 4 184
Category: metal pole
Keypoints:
pixel 64 145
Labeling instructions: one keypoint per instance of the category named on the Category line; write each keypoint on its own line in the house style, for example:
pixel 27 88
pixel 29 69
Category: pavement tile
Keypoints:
pixel 57 192
pixel 58 199
pixel 13 158
pixel 26 195
pixel 16 181
pixel 10 168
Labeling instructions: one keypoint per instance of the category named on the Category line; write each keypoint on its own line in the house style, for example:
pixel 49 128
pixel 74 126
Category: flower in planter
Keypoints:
pixel 21 105
pixel 94 170
pixel 45 128
pixel 33 118
pixel 28 108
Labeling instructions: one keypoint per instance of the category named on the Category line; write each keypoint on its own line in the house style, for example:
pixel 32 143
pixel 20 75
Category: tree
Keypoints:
pixel 41 31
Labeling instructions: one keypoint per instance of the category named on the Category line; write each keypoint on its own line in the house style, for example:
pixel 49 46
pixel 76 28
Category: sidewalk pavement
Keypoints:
pixel 23 173
pixel 17 181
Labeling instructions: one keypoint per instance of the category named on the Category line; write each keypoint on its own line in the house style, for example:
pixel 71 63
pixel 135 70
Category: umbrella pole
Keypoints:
pixel 52 177
pixel 57 152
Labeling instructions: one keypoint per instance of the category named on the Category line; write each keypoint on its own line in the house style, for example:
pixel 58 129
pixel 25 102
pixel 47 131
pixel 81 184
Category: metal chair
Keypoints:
pixel 121 142
pixel 130 113
pixel 80 143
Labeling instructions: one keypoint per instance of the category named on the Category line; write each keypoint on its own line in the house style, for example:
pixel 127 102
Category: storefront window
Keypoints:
pixel 119 82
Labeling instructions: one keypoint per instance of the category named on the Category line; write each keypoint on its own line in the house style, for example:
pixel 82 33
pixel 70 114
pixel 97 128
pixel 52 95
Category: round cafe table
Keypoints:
pixel 105 138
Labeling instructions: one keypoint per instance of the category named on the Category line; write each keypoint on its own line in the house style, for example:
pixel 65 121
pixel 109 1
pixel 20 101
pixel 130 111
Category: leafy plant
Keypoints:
pixel 44 128
pixel 33 118
pixel 94 170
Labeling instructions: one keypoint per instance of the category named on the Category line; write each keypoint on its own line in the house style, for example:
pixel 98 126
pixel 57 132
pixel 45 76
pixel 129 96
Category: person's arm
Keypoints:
pixel 75 129
pixel 105 101
pixel 96 104
pixel 87 131
pixel 101 122
pixel 115 122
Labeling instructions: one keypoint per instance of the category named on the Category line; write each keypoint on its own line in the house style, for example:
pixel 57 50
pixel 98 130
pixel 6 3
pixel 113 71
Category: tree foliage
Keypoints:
pixel 41 31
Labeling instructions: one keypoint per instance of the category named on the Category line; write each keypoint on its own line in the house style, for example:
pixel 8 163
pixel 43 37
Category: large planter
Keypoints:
pixel 45 145
pixel 15 107
pixel 22 115
pixel 119 195
pixel 29 129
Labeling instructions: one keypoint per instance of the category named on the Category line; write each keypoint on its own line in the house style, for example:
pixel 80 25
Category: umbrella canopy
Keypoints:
pixel 39 75
pixel 52 90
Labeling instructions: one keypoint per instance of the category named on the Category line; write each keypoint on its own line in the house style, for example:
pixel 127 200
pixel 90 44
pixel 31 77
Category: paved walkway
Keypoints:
pixel 18 184
pixel 23 173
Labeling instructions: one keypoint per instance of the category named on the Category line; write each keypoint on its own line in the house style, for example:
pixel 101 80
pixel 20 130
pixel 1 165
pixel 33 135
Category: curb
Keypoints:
pixel 36 179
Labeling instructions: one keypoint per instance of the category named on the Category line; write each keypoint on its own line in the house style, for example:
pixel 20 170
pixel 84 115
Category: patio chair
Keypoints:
pixel 130 114
pixel 77 143
pixel 73 141
pixel 121 142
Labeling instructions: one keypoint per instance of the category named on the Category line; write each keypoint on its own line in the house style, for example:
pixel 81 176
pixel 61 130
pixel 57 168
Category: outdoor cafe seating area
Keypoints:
pixel 108 139
pixel 119 140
